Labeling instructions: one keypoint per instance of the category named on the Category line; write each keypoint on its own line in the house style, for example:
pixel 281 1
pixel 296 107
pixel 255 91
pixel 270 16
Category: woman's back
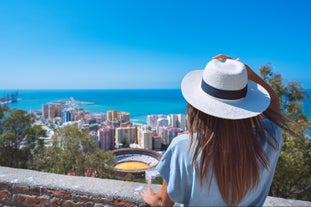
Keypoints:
pixel 234 141
pixel 183 180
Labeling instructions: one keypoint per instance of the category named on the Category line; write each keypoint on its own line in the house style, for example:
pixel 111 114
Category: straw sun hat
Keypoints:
pixel 223 90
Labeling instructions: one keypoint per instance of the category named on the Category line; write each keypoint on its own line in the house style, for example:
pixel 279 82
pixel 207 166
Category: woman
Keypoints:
pixel 231 151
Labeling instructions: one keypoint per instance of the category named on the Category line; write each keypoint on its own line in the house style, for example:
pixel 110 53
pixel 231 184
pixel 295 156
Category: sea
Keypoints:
pixel 139 103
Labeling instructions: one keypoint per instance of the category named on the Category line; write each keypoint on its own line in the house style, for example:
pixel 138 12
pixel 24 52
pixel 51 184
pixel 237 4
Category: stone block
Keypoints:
pixel 5 186
pixel 62 194
pixel 20 188
pixel 56 202
pixel 70 203
pixel 5 195
pixel 30 200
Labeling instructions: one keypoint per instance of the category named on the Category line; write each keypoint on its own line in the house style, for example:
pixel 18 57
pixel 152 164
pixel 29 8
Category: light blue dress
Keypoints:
pixel 183 185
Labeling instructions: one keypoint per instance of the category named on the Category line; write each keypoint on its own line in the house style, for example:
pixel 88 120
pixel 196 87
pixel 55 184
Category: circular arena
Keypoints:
pixel 134 161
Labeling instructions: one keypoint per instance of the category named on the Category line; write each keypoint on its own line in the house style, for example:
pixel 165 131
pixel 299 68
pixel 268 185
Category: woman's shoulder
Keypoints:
pixel 180 140
pixel 179 144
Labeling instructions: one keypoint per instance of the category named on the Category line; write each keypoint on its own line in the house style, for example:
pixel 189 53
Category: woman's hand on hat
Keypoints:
pixel 275 104
pixel 222 57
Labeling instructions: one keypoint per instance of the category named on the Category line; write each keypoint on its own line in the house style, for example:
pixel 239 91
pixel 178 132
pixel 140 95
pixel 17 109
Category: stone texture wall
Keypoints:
pixel 17 195
pixel 21 188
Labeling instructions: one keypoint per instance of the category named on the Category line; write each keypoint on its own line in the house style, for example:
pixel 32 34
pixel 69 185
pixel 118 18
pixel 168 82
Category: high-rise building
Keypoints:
pixel 45 111
pixel 162 122
pixel 78 114
pixel 67 115
pixel 112 115
pixel 115 118
pixel 153 118
pixel 126 135
pixel 182 121
pixel 144 138
pixel 177 121
pixel 124 117
pixel 52 110
pixel 168 134
pixel 106 138
pixel 156 142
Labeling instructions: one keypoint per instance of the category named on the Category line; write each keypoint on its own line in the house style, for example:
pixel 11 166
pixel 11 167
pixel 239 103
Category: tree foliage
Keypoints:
pixel 293 173
pixel 19 137
pixel 73 151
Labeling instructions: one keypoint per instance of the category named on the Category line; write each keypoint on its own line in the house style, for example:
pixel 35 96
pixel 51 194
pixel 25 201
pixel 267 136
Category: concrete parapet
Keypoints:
pixel 20 187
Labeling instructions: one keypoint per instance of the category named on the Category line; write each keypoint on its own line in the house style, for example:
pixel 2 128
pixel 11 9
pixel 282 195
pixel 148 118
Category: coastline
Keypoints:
pixel 138 102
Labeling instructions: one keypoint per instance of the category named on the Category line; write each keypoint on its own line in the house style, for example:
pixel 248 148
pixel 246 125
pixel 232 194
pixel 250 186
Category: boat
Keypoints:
pixel 9 98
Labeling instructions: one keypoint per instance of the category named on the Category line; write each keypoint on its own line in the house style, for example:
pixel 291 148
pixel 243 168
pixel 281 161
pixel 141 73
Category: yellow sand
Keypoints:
pixel 131 165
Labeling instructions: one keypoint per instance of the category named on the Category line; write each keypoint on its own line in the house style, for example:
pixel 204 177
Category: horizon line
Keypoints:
pixel 90 89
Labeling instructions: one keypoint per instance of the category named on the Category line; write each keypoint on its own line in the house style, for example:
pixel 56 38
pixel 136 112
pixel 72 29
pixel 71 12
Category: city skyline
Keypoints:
pixel 146 44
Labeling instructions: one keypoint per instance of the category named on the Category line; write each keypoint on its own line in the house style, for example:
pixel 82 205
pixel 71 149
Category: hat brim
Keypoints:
pixel 254 103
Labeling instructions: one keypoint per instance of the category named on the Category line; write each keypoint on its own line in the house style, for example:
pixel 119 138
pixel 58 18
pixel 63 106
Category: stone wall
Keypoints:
pixel 19 187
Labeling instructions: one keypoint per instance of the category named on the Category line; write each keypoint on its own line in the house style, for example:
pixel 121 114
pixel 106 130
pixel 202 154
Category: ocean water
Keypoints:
pixel 139 103
pixel 307 104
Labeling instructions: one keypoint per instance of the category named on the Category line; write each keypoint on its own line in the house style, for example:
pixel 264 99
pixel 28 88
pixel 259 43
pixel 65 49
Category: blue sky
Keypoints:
pixel 72 44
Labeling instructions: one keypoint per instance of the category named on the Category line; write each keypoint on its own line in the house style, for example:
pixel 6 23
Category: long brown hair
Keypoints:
pixel 230 149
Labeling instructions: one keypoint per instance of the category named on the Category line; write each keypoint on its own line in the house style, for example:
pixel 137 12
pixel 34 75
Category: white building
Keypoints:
pixel 145 138
pixel 153 118
pixel 177 121
pixel 168 134
pixel 125 135
pixel 162 122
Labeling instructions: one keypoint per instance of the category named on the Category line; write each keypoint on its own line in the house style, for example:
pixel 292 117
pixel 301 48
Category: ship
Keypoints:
pixel 9 98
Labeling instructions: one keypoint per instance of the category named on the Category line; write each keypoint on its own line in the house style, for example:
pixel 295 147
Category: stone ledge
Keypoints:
pixel 49 189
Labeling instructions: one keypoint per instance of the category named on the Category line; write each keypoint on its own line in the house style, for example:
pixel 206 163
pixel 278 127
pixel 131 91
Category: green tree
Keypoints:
pixel 19 137
pixel 293 173
pixel 129 177
pixel 3 109
pixel 125 143
pixel 73 151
